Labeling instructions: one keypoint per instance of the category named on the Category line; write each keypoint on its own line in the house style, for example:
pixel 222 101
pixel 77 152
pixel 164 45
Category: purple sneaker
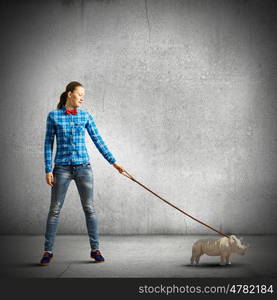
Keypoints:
pixel 46 258
pixel 96 254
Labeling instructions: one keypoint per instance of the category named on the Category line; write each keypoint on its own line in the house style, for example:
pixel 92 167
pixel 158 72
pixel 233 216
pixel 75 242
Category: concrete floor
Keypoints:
pixel 132 256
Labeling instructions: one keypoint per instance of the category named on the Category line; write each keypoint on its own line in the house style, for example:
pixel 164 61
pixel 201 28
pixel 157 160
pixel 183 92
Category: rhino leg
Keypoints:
pixel 196 253
pixel 228 262
pixel 222 260
pixel 197 259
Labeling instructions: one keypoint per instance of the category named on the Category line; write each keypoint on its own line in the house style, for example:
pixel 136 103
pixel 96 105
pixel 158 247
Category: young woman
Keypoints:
pixel 68 122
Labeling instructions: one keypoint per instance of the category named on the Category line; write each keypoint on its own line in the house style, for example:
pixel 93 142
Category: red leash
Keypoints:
pixel 126 174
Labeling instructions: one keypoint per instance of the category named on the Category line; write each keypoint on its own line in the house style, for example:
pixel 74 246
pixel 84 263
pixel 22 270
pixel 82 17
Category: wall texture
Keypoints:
pixel 183 93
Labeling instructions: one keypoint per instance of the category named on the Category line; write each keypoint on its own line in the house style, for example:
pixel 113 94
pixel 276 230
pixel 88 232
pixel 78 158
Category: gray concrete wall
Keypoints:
pixel 183 93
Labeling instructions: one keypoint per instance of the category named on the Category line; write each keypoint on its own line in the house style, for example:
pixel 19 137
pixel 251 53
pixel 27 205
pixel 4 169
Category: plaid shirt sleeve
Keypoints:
pixel 48 144
pixel 98 141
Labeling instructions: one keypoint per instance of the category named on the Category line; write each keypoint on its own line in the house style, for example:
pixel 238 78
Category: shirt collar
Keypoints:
pixel 64 108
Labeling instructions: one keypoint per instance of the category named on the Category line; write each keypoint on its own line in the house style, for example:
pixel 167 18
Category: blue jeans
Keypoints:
pixel 83 177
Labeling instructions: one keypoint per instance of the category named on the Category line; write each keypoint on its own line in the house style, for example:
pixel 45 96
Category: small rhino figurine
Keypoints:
pixel 222 247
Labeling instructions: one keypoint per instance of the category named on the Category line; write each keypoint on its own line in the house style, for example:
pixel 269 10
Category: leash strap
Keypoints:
pixel 126 174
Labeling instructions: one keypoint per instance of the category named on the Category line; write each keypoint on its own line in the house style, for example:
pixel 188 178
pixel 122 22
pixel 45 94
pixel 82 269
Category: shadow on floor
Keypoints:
pixel 216 265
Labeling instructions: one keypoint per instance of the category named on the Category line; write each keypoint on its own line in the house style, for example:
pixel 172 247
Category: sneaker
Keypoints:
pixel 46 258
pixel 97 256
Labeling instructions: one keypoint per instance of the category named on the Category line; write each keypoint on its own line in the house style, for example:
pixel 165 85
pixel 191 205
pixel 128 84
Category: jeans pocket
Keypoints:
pixel 85 170
pixel 60 169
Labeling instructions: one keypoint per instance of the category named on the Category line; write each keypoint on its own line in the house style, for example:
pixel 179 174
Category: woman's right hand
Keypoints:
pixel 49 178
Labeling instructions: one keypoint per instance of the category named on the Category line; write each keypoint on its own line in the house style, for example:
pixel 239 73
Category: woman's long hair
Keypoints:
pixel 69 88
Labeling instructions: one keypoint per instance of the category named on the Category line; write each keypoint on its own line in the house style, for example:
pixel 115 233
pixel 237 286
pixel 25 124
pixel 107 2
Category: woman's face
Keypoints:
pixel 76 98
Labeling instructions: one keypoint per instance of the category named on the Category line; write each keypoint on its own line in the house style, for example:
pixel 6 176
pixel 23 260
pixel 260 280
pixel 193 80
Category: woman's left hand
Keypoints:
pixel 119 168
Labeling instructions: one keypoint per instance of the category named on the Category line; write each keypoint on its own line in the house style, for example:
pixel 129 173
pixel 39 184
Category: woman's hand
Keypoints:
pixel 119 168
pixel 49 178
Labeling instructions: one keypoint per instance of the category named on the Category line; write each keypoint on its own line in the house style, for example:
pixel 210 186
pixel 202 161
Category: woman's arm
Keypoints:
pixel 119 168
pixel 48 144
pixel 100 144
pixel 98 141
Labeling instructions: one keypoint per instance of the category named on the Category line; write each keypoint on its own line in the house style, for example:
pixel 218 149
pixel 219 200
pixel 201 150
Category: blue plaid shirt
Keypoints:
pixel 70 138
